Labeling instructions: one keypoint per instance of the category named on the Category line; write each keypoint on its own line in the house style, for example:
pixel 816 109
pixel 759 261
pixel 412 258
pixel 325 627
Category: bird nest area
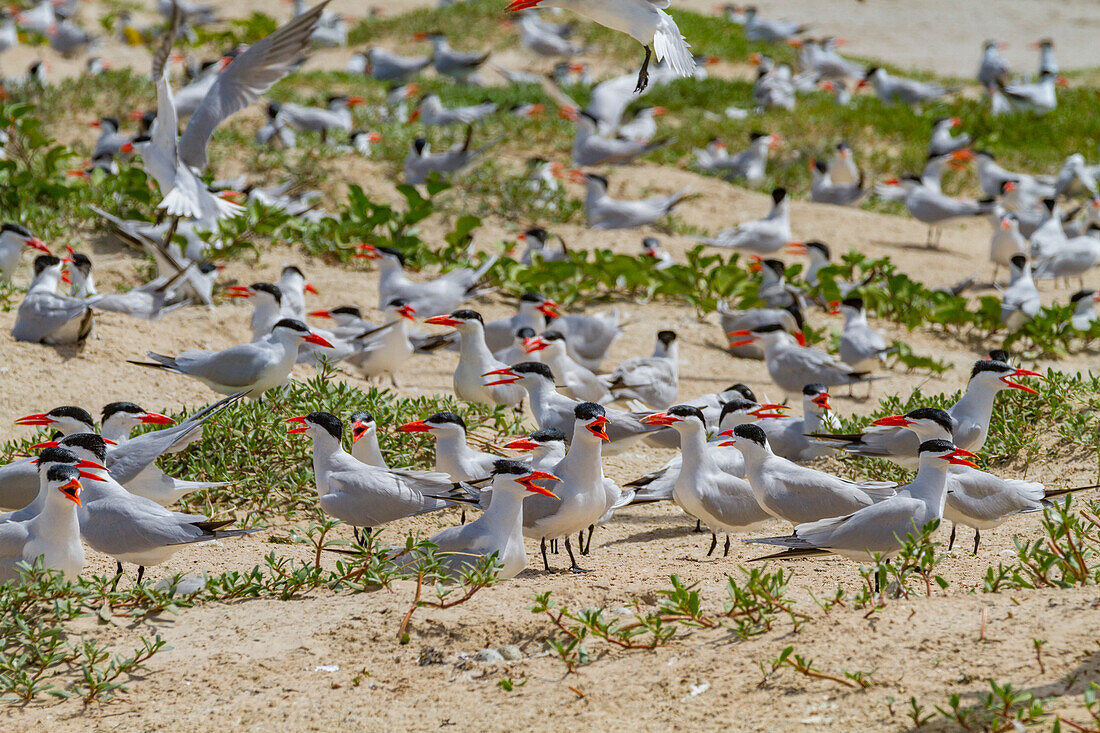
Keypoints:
pixel 309 623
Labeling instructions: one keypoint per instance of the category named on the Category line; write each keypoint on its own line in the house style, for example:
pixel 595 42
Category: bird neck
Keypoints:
pixel 325 448
pixel 366 450
pixel 505 512
pixel 117 429
pixel 929 483
pixel 473 346
pixel 976 404
pixel 58 517
pixel 693 446
pixel 585 453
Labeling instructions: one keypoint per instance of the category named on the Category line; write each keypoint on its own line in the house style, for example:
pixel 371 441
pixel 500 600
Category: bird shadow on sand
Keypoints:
pixel 919 247
pixel 658 533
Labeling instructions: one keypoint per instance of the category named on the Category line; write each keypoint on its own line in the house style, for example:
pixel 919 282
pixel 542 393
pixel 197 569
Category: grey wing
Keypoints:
pixel 41 315
pixel 135 524
pixel 13 536
pixel 237 366
pixel 244 80
pixel 160 58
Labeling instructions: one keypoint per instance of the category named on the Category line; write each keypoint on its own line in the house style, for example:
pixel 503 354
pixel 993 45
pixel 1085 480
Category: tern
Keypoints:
pixel 749 164
pixel 823 190
pixel 589 336
pixel 54 456
pixel 796 493
pixel 554 410
pixel 790 319
pixel 975 498
pixel 787 436
pixel 993 68
pixel 475 360
pixel 267 304
pixel 385 65
pixel 53 534
pixel 793 366
pixel 293 287
pixel 927 204
pixel 250 368
pixel 643 20
pixel 722 501
pixel 1006 243
pixel 643 128
pixel 13 239
pixel 943 142
pixel 1084 313
pixel 362 495
pixel 453 456
pixel 172 160
pixel 653 380
pixel 364 440
pixel 430 111
pixel 132 528
pixel 547 447
pixel 591 149
pixel 534 310
pixel 1020 299
pixel 458 65
pixel 651 248
pixel 387 347
pixel 499 530
pixel 860 345
pixel 761 236
pixel 442 295
pixel 581 497
pixel 842 168
pixel 335 115
pixel 769 31
pixel 421 162
pixel 880 529
pixel 604 212
pixel 575 380
pixel 1039 96
pixel 46 317
pixel 970 416
pixel 537 241
pixel 891 89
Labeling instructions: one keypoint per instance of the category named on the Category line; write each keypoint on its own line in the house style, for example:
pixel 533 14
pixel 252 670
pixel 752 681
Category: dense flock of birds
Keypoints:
pixel 740 461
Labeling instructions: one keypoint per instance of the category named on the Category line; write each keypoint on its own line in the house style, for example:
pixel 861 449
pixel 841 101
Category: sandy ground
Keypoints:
pixel 332 662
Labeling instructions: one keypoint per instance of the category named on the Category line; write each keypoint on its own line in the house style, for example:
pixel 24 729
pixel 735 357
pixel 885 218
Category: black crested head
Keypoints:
pixel 292 324
pixel 940 417
pixel 15 229
pixel 553 336
pixel 446 418
pixel 273 109
pixel 530 297
pixel 292 270
pixel 466 314
pixel 82 262
pixel 1050 203
pixel 651 243
pixel 600 179
pixel 348 310
pixel 985 365
pixel 74 413
pixel 870 72
pixel 752 432
pixel 741 389
pixel 939 119
pixel 775 266
pixel 90 442
pixel 1081 295
pixel 756 135
pixel 685 411
pixel 843 145
pixel 116 407
pixel 666 337
pixel 43 262
pixel 737 404
pixel 537 233
pixel 796 313
pixel 768 328
pixel 393 253
pixel 533 367
pixel 419 144
pixel 811 390
pixel 336 99
pixel 362 416
pixel 507 467
pixel 986 153
pixel 820 247
pixel 937 446
pixel 525 333
pixel 779 194
pixel 62 473
pixel 999 355
pixel 332 424
pixel 548 435
pixel 273 290
pixel 588 411
pixel 1019 261
pixel 397 303
pixel 856 303
pixel 112 121
pixel 56 454
pixel 141 139
pixel 820 167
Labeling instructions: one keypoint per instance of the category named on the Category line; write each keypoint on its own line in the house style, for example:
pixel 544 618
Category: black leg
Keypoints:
pixel 977 539
pixel 588 544
pixel 878 584
pixel 141 572
pixel 572 560
pixel 726 552
pixel 951 539
pixel 355 533
pixel 580 542
pixel 698 525
pixel 462 519
pixel 117 576
pixel 643 74
pixel 554 545
pixel 545 562
pixel 713 543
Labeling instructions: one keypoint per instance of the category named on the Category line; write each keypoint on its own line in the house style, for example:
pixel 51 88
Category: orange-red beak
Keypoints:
pixel 321 314
pixel 1021 373
pixel 957 458
pixel 528 481
pixel 310 289
pixel 535 344
pixel 314 338
pixel 893 421
pixel 407 311
pixel 596 428
pixel 418 426
pixel 660 418
pixel 762 413
pixel 71 491
pixel 743 336
pixel 510 377
pixel 155 418
pixel 522 444
pixel 301 420
pixel 549 309
pixel 822 401
pixel 443 321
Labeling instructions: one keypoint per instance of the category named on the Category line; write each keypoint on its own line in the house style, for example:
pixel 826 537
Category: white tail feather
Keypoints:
pixel 669 45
